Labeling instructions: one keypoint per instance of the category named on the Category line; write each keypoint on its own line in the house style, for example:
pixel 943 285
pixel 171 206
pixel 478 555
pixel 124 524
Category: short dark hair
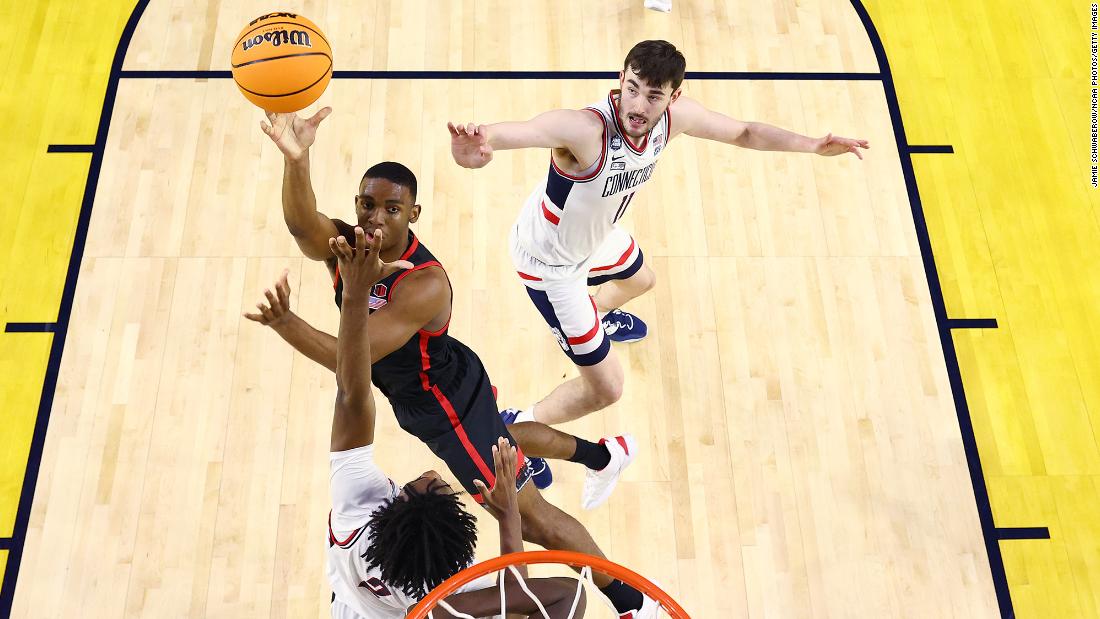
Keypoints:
pixel 393 172
pixel 657 62
pixel 419 541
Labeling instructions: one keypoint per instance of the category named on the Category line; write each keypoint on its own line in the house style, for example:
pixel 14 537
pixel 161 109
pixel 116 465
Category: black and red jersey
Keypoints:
pixel 438 387
pixel 429 358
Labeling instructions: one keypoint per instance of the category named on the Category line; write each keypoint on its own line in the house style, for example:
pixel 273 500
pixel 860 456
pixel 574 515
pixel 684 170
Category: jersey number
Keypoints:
pixel 622 207
pixel 375 586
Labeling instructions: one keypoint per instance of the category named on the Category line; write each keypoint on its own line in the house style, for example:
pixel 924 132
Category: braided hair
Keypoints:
pixel 421 539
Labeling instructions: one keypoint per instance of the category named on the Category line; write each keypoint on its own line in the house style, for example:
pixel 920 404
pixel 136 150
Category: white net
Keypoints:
pixel 583 577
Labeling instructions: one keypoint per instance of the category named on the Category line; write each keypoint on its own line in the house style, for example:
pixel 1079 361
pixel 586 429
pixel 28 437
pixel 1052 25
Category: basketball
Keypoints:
pixel 281 62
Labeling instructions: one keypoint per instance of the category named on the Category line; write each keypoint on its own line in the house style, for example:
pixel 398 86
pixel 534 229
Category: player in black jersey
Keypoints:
pixel 437 386
pixel 368 562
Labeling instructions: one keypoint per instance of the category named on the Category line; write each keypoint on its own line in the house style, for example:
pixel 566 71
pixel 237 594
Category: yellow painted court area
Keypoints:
pixel 56 56
pixel 1015 229
pixel 1014 224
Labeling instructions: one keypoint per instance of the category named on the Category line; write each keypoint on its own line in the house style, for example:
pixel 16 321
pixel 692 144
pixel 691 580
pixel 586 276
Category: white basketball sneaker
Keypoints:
pixel 647 611
pixel 598 485
pixel 664 6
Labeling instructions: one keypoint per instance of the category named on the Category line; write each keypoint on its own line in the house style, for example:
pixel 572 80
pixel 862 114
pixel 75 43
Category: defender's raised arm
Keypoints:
pixel 360 268
pixel 693 119
pixel 576 131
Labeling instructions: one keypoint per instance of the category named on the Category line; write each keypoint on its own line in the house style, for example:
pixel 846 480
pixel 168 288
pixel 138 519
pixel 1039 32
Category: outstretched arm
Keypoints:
pixel 294 135
pixel 577 131
pixel 691 117
pixel 502 501
pixel 423 295
pixel 353 419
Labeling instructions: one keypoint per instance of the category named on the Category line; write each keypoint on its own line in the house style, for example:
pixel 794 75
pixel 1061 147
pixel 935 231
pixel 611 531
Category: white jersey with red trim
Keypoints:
pixel 358 488
pixel 567 216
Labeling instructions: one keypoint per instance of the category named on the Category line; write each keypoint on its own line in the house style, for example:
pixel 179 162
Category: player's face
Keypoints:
pixel 429 481
pixel 383 204
pixel 641 103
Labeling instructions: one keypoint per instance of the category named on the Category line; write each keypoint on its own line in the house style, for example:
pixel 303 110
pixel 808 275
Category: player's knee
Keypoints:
pixel 647 279
pixel 533 514
pixel 546 534
pixel 606 392
pixel 534 530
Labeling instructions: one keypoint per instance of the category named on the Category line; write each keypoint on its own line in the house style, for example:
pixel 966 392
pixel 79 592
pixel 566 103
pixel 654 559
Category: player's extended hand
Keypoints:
pixel 292 133
pixel 831 146
pixel 469 145
pixel 502 501
pixel 361 266
pixel 274 313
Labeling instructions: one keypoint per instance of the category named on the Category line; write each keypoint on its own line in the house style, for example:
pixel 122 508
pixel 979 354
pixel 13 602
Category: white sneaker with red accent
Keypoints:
pixel 647 611
pixel 598 485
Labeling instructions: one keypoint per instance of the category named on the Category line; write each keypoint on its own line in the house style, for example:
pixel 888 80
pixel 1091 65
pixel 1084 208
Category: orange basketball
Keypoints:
pixel 282 62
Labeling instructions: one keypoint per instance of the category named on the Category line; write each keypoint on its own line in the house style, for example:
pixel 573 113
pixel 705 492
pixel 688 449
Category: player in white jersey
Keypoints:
pixel 385 543
pixel 566 238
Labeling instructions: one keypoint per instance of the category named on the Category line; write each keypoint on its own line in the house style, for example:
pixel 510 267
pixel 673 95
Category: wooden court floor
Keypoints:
pixel 805 451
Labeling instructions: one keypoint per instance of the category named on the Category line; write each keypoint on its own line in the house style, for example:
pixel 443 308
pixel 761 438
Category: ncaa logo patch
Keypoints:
pixel 378 295
pixel 560 338
pixel 616 142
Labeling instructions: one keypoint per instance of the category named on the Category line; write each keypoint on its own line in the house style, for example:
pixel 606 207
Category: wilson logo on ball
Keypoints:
pixel 277 38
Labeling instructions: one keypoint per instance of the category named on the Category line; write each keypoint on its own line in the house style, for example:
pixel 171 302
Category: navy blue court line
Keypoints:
pixel 70 148
pixel 954 374
pixel 1022 533
pixel 971 323
pixel 30 327
pixel 522 75
pixel 49 384
pixel 5 543
pixel 931 148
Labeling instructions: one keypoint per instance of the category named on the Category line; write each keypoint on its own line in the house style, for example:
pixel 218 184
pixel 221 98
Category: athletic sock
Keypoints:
pixel 623 597
pixel 593 455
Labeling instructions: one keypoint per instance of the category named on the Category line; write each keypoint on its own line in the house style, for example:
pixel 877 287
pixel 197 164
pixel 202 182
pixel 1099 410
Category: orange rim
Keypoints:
pixel 563 557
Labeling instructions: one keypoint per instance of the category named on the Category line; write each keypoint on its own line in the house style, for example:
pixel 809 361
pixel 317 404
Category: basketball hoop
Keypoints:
pixel 586 563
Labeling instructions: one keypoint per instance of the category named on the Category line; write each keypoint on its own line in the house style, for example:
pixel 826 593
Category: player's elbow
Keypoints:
pixel 352 398
pixel 309 245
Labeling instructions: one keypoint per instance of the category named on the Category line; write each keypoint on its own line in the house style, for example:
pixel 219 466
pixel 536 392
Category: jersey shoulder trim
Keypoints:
pixel 599 162
pixel 348 541
pixel 407 272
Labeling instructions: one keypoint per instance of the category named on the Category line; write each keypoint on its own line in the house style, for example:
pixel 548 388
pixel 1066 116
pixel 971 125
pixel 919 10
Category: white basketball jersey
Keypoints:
pixel 358 488
pixel 567 216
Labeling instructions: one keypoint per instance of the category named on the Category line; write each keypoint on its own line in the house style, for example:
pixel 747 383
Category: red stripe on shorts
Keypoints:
pixel 622 258
pixel 462 437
